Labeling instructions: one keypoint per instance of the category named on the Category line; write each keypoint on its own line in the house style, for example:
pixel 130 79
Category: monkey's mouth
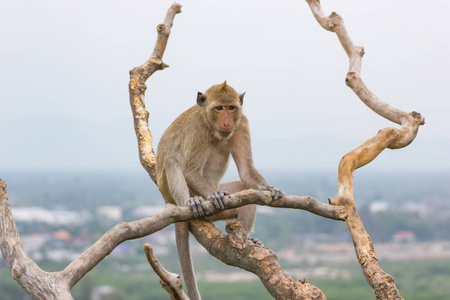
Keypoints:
pixel 225 133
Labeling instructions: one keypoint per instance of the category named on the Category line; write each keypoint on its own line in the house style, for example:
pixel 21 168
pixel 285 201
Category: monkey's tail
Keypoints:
pixel 184 255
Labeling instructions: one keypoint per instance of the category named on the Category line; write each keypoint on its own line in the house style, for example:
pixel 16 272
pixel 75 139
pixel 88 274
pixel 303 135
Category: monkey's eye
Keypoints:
pixel 231 107
pixel 219 107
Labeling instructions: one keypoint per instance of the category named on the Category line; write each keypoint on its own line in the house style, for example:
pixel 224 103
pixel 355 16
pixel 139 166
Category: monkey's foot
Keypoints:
pixel 196 205
pixel 276 193
pixel 256 241
pixel 218 199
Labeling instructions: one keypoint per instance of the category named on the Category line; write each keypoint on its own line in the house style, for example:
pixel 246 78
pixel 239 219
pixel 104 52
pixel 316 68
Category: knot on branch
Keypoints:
pixel 162 28
pixel 17 270
pixel 418 119
pixel 352 78
pixel 237 237
pixel 360 50
pixel 342 200
pixel 2 187
pixel 334 21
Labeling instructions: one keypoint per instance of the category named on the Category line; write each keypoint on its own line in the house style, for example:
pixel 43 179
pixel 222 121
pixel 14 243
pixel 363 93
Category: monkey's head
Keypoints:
pixel 221 107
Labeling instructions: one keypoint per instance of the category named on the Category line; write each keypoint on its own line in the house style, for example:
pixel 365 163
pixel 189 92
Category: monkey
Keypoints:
pixel 192 157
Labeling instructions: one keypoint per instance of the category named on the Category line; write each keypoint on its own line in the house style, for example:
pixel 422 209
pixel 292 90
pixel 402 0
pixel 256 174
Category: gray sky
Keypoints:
pixel 64 78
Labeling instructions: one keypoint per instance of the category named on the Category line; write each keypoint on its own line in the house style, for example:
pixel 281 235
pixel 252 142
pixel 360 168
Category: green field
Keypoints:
pixel 416 280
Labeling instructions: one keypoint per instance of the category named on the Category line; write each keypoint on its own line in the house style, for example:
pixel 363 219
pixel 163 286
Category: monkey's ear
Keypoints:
pixel 241 97
pixel 201 99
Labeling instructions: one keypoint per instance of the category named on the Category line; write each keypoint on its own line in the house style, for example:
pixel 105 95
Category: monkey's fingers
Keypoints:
pixel 276 193
pixel 218 199
pixel 222 200
pixel 196 205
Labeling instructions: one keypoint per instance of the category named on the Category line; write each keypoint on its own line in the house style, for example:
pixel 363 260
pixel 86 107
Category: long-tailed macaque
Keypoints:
pixel 193 156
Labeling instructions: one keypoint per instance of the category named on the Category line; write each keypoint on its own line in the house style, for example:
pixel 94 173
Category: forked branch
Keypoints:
pixel 391 138
pixel 235 249
pixel 171 282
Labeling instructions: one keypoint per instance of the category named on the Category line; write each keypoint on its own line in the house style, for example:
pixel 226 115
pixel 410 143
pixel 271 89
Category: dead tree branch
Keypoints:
pixel 137 87
pixel 56 285
pixel 235 249
pixel 392 138
pixel 171 282
pixel 39 284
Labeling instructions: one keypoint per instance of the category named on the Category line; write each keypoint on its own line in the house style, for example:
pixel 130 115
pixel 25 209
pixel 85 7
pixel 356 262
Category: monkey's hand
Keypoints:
pixel 196 205
pixel 218 199
pixel 276 193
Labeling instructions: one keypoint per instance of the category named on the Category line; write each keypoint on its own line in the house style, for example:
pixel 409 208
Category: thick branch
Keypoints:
pixel 39 284
pixel 172 214
pixel 237 250
pixel 57 285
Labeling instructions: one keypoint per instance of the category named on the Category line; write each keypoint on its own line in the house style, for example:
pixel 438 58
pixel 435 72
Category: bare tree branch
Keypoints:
pixel 392 138
pixel 235 249
pixel 39 284
pixel 56 285
pixel 137 87
pixel 334 23
pixel 171 282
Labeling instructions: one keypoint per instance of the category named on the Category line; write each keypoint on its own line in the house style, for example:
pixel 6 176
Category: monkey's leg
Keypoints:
pixel 245 214
pixel 184 255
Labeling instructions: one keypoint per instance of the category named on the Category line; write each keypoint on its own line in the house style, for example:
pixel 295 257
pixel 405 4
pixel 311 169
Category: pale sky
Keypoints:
pixel 64 66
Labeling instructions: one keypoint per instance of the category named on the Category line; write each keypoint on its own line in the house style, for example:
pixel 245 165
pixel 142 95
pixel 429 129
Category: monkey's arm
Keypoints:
pixel 242 155
pixel 179 190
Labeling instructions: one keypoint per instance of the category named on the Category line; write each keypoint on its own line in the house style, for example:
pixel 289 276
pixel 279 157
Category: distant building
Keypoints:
pixel 62 235
pixel 379 206
pixel 99 291
pixel 112 213
pixel 52 217
pixel 404 236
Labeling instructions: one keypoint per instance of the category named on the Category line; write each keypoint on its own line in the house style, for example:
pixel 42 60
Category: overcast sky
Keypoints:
pixel 64 78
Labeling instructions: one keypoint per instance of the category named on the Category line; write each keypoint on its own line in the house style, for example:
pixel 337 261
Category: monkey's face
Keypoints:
pixel 225 117
pixel 222 106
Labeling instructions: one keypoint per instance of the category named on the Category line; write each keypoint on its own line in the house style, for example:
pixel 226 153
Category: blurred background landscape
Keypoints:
pixel 407 214
pixel 68 149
